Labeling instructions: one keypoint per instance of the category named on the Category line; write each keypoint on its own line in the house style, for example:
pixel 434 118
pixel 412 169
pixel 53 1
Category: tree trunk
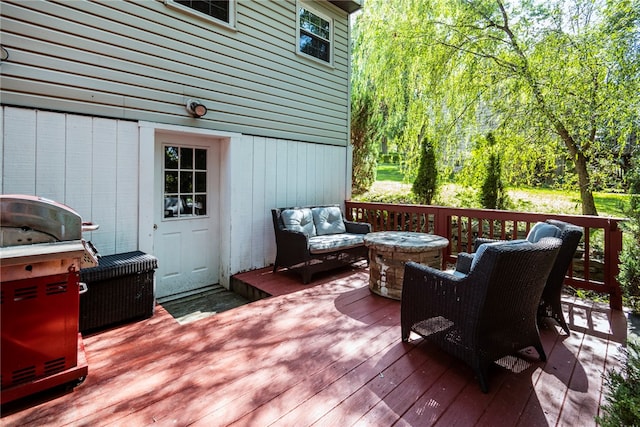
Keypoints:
pixel 584 181
pixel 586 195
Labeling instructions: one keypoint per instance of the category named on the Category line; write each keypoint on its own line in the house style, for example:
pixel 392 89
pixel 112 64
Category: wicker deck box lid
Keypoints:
pixel 119 265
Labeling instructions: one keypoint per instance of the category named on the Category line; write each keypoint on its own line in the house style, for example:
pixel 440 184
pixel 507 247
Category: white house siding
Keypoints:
pixel 141 60
pixel 89 83
pixel 89 164
pixel 276 173
pixel 94 165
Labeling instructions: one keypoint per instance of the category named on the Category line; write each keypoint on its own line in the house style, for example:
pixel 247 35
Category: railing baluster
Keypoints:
pixel 383 216
pixel 587 256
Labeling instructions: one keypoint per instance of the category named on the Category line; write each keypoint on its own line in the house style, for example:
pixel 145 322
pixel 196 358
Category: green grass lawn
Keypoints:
pixel 389 172
pixel 389 184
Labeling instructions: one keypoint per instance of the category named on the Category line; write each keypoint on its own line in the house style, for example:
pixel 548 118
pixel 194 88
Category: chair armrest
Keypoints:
pixel 463 263
pixel 427 281
pixel 428 292
pixel 291 238
pixel 357 227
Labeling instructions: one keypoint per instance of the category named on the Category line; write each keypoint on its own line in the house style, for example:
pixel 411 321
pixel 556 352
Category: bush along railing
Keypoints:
pixel 594 267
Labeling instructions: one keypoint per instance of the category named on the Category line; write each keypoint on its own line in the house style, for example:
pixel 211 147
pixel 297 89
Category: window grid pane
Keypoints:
pixel 185 183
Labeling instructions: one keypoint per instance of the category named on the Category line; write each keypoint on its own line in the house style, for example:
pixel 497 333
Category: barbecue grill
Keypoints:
pixel 41 253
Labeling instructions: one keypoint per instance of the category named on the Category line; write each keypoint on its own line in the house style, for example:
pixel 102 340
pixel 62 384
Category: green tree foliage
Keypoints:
pixel 425 184
pixel 622 407
pixel 363 140
pixel 492 192
pixel 548 76
pixel 629 276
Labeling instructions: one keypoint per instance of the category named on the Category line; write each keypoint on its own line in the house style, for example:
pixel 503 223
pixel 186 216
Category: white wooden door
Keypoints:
pixel 186 240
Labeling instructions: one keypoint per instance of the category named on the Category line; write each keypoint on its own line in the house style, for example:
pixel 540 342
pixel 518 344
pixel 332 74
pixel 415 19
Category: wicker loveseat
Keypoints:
pixel 316 238
pixel 484 315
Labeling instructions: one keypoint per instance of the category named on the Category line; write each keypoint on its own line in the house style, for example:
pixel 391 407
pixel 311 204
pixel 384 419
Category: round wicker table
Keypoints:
pixel 390 250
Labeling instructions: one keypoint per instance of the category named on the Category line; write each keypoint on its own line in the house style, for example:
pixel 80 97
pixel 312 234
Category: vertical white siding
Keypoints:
pixel 103 184
pixel 93 166
pixel 270 174
pixel 126 186
pixel 89 164
pixel 259 169
pixel 79 151
pixel 19 154
pixel 50 155
pixel 270 201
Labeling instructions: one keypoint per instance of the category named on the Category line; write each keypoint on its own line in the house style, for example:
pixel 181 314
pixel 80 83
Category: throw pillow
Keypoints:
pixel 299 220
pixel 328 220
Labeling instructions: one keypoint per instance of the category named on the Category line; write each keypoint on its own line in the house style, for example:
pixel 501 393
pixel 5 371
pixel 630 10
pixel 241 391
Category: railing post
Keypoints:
pixel 442 227
pixel 612 249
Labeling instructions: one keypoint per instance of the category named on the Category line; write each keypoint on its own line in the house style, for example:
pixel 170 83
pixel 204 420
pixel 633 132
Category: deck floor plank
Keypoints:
pixel 583 396
pixel 328 353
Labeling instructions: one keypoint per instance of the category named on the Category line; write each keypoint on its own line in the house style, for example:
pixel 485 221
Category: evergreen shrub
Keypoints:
pixel 622 395
pixel 425 184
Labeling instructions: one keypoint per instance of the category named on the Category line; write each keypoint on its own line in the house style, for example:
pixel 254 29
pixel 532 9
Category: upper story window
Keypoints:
pixel 315 34
pixel 221 11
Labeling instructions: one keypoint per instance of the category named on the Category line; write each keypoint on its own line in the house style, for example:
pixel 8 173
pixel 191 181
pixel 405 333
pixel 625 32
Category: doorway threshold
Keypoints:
pixel 214 299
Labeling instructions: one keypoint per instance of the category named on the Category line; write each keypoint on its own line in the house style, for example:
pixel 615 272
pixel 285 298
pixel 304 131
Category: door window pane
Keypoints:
pixel 201 182
pixel 185 182
pixel 200 207
pixel 186 158
pixel 171 182
pixel 201 159
pixel 171 158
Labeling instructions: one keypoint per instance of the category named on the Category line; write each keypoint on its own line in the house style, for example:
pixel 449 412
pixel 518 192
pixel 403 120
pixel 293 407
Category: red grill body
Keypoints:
pixel 41 345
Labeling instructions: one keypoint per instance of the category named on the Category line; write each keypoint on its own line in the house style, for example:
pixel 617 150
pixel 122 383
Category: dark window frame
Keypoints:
pixel 208 10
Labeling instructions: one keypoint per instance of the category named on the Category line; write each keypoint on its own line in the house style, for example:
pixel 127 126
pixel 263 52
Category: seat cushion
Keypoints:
pixel 542 229
pixel 334 242
pixel 328 220
pixel 300 219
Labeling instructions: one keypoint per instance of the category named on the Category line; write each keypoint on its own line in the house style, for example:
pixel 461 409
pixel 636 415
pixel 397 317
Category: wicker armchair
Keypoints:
pixel 487 314
pixel 550 303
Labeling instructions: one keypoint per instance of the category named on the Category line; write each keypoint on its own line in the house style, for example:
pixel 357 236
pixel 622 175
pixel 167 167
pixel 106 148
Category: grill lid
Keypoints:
pixel 30 219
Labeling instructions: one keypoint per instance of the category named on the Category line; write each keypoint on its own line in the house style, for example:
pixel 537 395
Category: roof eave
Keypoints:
pixel 348 6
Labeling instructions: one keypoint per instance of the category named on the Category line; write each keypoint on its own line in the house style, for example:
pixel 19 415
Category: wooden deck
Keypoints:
pixel 325 354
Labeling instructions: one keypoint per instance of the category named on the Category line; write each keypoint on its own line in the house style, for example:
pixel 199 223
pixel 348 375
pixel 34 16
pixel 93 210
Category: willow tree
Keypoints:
pixel 542 73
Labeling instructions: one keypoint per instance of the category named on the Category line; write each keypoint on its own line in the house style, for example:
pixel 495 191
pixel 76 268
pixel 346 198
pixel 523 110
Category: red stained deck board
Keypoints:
pixel 284 281
pixel 316 334
pixel 315 354
pixel 318 326
pixel 251 391
pixel 308 387
pixel 373 391
pixel 397 402
pixel 583 396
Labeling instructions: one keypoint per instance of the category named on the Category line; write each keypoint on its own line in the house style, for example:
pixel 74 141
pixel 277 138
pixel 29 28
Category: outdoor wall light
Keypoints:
pixel 196 108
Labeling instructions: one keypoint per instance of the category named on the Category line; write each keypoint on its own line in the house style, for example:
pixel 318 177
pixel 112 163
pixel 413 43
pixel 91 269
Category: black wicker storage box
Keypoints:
pixel 120 288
